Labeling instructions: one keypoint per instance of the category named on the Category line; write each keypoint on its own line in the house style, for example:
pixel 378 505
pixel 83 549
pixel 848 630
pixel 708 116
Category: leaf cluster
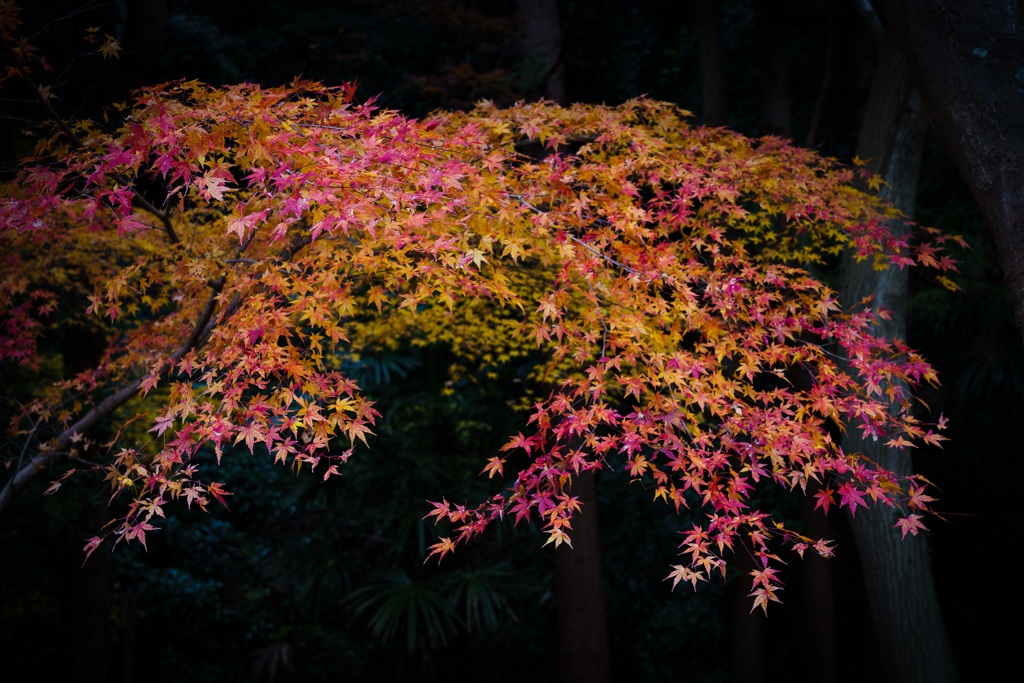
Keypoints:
pixel 243 242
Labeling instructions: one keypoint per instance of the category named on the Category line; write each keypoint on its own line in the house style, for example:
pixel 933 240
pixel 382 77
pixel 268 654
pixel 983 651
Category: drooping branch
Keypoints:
pixel 200 334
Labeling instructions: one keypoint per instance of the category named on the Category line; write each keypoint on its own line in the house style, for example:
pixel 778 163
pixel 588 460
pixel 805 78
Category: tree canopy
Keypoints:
pixel 240 242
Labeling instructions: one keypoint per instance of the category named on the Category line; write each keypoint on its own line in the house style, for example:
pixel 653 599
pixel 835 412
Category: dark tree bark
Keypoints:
pixel 542 46
pixel 747 625
pixel 81 348
pixel 145 40
pixel 826 79
pixel 712 63
pixel 818 606
pixel 862 68
pixel 85 648
pixel 775 74
pixel 911 637
pixel 582 629
pixel 870 659
pixel 85 642
pixel 965 56
pixel 127 635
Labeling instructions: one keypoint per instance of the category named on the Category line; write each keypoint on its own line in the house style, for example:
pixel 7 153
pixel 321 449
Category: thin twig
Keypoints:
pixel 43 100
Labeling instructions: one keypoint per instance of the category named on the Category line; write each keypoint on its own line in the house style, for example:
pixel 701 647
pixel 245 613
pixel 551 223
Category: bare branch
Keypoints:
pixel 164 216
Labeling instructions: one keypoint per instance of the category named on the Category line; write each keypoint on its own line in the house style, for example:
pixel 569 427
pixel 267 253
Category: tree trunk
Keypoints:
pixel 712 63
pixel 868 655
pixel 582 629
pixel 826 79
pixel 911 636
pixel 747 641
pixel 861 67
pixel 145 39
pixel 127 635
pixel 775 74
pixel 542 47
pixel 965 56
pixel 818 607
pixel 85 642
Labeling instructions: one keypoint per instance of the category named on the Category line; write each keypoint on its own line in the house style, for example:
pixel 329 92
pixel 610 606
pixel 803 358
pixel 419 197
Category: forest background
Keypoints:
pixel 317 581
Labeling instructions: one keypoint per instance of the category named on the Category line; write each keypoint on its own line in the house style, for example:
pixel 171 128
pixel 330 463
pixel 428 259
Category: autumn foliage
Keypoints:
pixel 240 242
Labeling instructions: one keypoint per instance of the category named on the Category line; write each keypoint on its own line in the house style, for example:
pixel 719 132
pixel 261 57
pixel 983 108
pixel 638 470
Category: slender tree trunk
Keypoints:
pixel 775 74
pixel 85 642
pixel 862 67
pixel 826 79
pixel 911 636
pixel 747 625
pixel 85 587
pixel 817 609
pixel 145 40
pixel 965 56
pixel 582 629
pixel 712 63
pixel 127 635
pixel 542 45
pixel 869 657
pixel 747 642
pixel 818 606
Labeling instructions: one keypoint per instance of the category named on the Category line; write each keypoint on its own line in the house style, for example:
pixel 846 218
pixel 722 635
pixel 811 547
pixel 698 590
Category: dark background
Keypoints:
pixel 274 587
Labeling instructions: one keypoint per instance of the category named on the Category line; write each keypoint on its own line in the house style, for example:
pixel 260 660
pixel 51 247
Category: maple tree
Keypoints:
pixel 243 241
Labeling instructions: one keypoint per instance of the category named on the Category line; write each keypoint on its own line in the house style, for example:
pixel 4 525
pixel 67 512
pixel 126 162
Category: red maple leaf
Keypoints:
pixel 912 524
pixel 851 498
